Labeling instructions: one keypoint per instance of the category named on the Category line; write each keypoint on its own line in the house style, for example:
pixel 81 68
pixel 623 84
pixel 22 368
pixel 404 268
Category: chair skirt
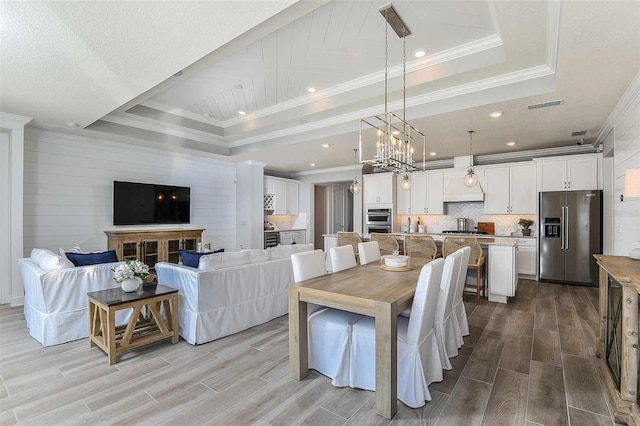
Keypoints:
pixel 330 343
pixel 461 316
pixel 449 339
pixel 418 366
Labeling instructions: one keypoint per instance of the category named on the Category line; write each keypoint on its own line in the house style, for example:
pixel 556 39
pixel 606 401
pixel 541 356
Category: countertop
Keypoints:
pixel 283 230
pixel 484 240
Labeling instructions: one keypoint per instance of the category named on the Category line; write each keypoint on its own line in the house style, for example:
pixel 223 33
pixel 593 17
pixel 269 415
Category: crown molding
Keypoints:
pixel 464 50
pixel 8 121
pixel 527 75
pixel 182 113
pixel 251 163
pixel 626 102
pixel 355 168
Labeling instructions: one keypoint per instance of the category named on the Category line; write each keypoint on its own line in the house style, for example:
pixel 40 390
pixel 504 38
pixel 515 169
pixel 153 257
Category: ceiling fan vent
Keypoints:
pixel 546 104
pixel 579 133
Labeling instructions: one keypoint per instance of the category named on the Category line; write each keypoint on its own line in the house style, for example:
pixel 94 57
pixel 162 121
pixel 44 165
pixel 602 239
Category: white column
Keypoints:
pixel 249 205
pixel 11 242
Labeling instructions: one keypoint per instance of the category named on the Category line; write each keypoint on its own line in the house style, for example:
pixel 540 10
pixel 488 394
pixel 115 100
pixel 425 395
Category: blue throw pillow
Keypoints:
pixel 192 258
pixel 84 259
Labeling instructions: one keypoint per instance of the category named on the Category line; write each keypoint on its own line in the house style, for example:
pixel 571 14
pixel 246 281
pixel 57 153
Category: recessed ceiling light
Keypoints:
pixel 241 112
pixel 511 143
pixel 311 89
pixel 325 145
pixel 419 53
pixel 432 153
pixel 395 132
pixel 496 114
pixel 312 164
pixel 72 124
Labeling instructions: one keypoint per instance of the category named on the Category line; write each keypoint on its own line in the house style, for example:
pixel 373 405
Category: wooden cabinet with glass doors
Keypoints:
pixel 153 246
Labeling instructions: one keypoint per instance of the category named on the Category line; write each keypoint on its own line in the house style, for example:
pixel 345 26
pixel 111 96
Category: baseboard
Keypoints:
pixel 17 301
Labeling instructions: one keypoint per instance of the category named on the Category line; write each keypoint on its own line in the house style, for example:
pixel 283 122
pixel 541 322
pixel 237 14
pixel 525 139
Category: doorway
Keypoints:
pixel 333 210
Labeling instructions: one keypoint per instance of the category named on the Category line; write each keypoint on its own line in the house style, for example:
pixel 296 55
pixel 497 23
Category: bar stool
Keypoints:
pixel 476 261
pixel 420 246
pixel 387 242
pixel 349 239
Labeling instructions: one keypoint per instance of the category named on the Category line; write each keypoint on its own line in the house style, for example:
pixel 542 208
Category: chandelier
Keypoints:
pixel 387 141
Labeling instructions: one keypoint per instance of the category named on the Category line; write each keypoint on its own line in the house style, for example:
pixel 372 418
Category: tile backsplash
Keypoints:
pixel 504 224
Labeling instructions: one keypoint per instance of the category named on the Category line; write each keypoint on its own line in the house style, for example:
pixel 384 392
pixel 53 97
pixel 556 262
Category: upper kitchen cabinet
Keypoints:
pixel 511 190
pixel 424 197
pixel 379 188
pixel 572 173
pixel 285 195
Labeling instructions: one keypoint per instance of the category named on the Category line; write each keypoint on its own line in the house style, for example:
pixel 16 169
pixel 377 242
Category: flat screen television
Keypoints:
pixel 147 204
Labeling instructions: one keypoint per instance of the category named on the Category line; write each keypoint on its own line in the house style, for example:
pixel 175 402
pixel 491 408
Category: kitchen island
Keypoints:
pixel 500 254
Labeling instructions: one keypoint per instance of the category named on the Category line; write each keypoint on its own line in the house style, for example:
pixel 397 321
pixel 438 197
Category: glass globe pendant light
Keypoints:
pixel 470 179
pixel 405 185
pixel 355 186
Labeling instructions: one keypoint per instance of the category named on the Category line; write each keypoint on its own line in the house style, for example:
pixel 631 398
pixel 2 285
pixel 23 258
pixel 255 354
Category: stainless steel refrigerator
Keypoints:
pixel 570 233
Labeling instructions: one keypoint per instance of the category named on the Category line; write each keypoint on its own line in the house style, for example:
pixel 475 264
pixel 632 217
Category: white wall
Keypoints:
pixel 68 189
pixel 624 125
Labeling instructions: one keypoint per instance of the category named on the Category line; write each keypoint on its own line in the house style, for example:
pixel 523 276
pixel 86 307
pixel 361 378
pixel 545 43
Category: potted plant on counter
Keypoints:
pixel 526 224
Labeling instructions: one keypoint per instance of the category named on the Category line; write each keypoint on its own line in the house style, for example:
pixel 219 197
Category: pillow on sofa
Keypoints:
pixel 85 259
pixel 212 262
pixel 192 258
pixel 75 249
pixel 48 260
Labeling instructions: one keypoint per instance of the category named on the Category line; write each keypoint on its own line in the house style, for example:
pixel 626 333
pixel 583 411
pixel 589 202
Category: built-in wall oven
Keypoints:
pixel 378 220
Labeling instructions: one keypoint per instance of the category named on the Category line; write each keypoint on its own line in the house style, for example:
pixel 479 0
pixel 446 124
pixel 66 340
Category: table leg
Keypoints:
pixel 92 323
pixel 173 302
pixel 111 335
pixel 298 346
pixel 386 361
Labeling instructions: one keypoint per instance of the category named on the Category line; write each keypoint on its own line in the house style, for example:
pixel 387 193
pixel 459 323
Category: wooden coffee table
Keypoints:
pixel 146 324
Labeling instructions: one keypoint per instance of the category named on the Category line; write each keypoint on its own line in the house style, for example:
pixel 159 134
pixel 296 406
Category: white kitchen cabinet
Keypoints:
pixel 527 256
pixel 424 197
pixel 502 272
pixel 269 186
pixel 379 188
pixel 285 193
pixel 573 173
pixel 511 190
pixel 291 198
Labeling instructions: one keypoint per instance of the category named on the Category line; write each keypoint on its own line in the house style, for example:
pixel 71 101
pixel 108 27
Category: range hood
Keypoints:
pixel 455 190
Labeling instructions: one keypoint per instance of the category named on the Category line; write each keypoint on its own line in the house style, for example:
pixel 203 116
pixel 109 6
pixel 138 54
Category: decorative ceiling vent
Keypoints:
pixel 546 104
pixel 579 133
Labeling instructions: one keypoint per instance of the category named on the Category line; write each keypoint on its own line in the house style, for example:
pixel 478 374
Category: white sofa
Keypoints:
pixel 230 292
pixel 55 301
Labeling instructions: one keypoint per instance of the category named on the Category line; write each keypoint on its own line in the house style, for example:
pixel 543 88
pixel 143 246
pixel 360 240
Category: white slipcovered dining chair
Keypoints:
pixel 447 332
pixel 342 258
pixel 329 330
pixel 307 265
pixel 368 252
pixel 458 304
pixel 418 356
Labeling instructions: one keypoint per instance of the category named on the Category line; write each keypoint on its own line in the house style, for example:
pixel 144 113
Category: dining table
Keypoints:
pixel 367 290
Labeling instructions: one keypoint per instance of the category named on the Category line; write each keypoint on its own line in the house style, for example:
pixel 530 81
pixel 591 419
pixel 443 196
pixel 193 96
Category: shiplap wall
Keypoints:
pixel 626 130
pixel 68 189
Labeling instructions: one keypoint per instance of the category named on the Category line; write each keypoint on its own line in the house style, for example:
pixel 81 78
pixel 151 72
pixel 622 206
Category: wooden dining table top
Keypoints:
pixel 360 288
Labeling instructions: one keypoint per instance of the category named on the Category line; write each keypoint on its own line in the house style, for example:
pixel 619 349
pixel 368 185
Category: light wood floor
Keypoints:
pixel 528 362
